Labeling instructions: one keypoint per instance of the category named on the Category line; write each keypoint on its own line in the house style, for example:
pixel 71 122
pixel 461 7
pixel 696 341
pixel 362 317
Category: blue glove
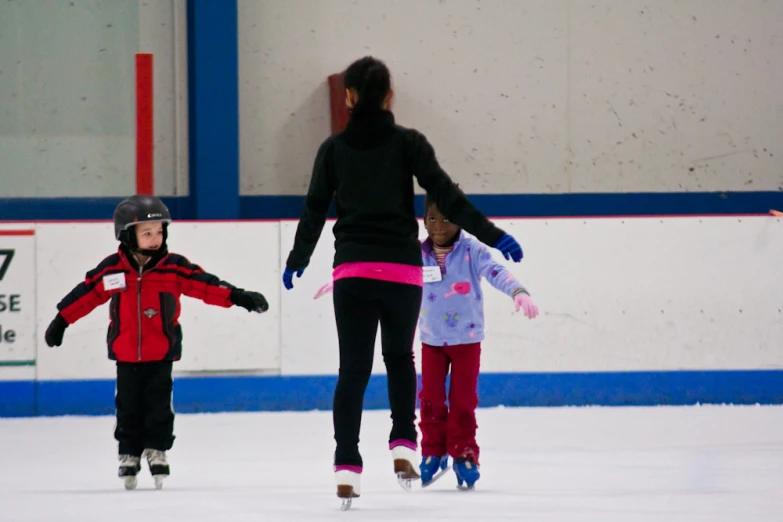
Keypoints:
pixel 288 277
pixel 509 247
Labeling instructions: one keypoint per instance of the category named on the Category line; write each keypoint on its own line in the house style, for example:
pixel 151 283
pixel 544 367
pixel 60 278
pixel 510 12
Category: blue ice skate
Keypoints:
pixel 433 468
pixel 467 473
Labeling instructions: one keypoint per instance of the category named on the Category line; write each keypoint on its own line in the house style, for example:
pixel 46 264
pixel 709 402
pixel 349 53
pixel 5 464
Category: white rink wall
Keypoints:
pixel 640 294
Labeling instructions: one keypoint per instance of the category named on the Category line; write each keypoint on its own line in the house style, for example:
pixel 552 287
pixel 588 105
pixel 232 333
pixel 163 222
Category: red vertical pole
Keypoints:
pixel 145 145
pixel 337 103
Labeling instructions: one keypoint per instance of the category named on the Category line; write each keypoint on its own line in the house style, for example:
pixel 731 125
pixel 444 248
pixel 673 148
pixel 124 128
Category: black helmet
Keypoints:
pixel 139 209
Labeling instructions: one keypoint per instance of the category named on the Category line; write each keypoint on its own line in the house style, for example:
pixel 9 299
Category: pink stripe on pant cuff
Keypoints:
pixel 402 442
pixel 348 467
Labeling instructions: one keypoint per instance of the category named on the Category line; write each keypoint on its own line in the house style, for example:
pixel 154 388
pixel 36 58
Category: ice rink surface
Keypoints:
pixel 699 463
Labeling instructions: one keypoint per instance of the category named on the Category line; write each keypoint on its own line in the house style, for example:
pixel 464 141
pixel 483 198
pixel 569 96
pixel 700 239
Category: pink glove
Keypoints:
pixel 324 290
pixel 526 303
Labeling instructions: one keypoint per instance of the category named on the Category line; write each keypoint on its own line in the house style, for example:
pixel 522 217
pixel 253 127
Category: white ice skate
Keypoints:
pixel 159 466
pixel 130 465
pixel 404 466
pixel 348 486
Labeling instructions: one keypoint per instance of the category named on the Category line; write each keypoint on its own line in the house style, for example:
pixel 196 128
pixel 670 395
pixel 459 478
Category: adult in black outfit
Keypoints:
pixel 368 169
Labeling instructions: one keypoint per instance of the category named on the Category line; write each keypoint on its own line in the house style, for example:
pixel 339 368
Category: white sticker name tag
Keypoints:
pixel 113 282
pixel 432 274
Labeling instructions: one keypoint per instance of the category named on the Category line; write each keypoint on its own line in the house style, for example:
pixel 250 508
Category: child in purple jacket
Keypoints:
pixel 451 327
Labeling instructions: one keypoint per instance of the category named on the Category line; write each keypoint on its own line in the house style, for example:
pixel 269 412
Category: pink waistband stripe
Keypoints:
pixel 391 272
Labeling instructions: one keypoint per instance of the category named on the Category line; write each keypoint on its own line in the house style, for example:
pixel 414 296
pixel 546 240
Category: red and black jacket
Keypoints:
pixel 145 303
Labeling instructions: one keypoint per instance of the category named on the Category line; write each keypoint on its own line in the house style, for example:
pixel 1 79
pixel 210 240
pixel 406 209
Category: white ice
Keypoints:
pixel 708 463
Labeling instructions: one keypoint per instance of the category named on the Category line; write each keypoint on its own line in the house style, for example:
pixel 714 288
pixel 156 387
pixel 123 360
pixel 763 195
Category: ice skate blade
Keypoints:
pixel 406 473
pixel 130 482
pixel 346 493
pixel 405 483
pixel 159 481
pixel 466 487
pixel 435 477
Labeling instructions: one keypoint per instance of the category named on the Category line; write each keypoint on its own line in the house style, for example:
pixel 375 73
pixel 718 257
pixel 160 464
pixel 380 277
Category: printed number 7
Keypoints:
pixel 8 255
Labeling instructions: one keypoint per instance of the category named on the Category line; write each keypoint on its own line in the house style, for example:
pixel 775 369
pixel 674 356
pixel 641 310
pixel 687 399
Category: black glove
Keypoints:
pixel 250 301
pixel 55 331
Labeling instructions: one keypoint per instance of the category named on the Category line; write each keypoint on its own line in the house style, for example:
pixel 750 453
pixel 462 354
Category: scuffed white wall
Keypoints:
pixel 535 96
pixel 67 95
pixel 615 295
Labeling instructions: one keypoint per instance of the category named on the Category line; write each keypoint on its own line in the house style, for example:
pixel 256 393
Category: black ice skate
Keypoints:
pixel 159 466
pixel 130 465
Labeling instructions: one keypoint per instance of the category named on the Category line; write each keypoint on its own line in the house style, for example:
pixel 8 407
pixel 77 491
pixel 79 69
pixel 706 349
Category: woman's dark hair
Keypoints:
pixel 371 80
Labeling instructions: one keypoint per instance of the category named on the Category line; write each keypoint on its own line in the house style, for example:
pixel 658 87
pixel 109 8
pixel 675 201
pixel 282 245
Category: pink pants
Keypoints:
pixel 449 429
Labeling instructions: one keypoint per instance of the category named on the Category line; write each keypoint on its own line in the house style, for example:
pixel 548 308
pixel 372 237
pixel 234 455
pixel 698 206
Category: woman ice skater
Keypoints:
pixel 368 169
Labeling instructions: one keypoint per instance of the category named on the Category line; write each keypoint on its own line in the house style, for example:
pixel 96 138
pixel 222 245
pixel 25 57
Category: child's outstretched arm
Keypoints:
pixel 194 282
pixel 500 278
pixel 94 291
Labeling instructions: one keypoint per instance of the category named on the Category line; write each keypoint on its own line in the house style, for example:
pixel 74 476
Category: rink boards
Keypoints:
pixel 641 311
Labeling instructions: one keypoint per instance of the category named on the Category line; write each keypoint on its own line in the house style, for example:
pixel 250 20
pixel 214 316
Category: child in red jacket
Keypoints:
pixel 143 283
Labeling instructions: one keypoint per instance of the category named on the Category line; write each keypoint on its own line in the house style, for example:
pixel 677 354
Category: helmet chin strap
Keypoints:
pixel 152 253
